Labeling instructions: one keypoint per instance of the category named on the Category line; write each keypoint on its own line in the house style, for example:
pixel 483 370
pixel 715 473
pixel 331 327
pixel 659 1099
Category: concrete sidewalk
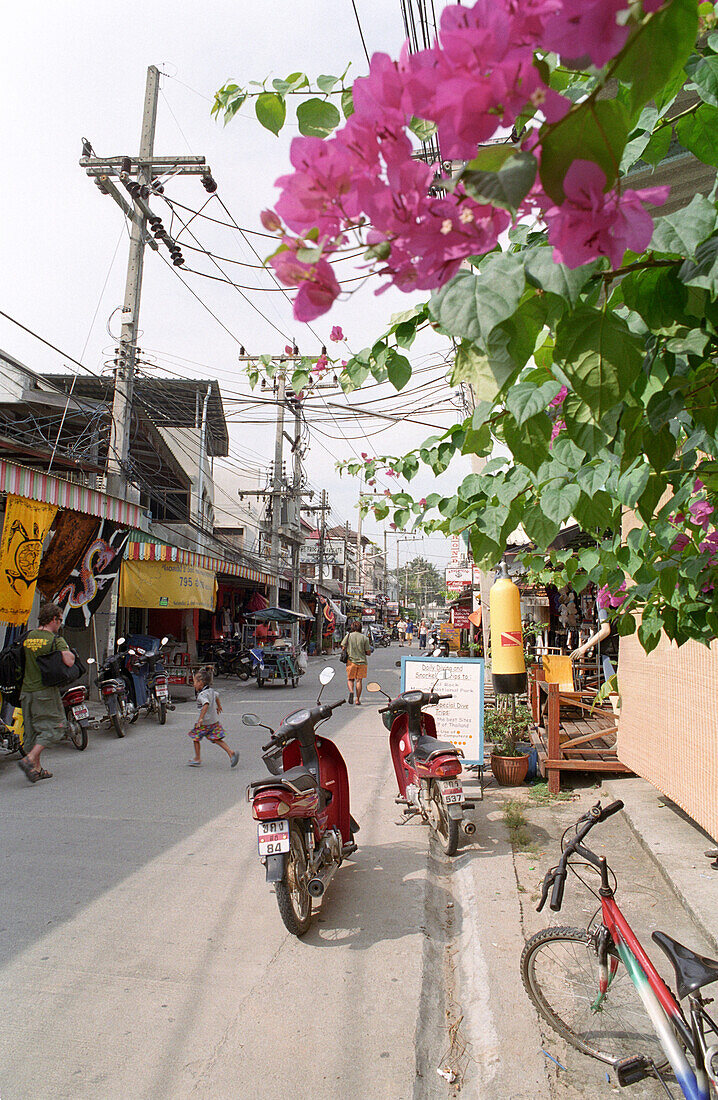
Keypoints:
pixel 676 845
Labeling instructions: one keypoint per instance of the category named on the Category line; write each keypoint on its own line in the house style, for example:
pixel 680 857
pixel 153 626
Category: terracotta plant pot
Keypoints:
pixel 509 771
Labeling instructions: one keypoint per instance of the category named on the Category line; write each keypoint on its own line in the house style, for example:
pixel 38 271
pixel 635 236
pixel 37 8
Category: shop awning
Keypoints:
pixel 159 551
pixel 21 481
pixel 278 615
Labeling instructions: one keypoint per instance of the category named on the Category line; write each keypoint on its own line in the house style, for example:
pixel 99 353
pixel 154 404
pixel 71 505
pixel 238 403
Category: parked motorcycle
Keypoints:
pixel 378 636
pixel 77 715
pixel 305 829
pixel 114 692
pixel 147 677
pixel 428 771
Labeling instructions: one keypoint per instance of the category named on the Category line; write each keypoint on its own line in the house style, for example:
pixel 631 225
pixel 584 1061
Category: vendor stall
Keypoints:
pixel 275 658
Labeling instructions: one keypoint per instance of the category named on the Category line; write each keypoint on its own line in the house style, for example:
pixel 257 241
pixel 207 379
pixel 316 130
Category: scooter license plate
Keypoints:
pixel 162 691
pixel 272 837
pixel 80 712
pixel 453 792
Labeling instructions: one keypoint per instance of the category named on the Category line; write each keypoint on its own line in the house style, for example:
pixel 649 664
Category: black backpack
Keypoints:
pixel 12 670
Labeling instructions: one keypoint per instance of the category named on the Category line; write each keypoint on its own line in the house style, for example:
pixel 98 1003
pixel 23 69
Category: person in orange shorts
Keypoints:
pixel 358 649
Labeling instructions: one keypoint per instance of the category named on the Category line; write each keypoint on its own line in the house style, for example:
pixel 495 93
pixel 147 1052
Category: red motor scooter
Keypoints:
pixel 304 828
pixel 428 771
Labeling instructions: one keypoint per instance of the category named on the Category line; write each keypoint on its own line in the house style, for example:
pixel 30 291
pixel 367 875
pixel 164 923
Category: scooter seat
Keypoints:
pixel 297 779
pixel 426 748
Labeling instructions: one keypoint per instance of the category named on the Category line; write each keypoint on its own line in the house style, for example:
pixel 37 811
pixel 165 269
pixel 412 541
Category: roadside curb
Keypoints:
pixel 676 846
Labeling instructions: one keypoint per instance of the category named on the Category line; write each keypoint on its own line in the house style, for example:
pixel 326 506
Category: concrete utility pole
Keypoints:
pixel 145 168
pixel 277 487
pixel 323 508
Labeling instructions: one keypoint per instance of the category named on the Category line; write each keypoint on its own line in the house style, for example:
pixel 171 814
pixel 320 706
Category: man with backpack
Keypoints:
pixel 43 715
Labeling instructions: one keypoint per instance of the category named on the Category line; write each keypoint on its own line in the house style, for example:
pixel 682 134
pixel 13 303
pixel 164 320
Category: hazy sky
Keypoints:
pixel 78 69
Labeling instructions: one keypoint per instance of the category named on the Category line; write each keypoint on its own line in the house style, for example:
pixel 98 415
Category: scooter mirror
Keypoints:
pixel 250 720
pixel 164 640
pixel 436 653
pixel 120 641
pixel 326 676
pixel 372 686
pixel 397 664
pixel 90 661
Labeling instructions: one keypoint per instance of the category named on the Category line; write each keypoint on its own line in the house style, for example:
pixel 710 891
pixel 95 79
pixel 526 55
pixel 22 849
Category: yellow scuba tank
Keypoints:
pixel 508 668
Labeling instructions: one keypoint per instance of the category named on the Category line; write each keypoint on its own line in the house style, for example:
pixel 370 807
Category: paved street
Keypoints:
pixel 142 953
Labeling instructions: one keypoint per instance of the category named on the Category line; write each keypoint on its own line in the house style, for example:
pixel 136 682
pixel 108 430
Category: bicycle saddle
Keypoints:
pixel 692 970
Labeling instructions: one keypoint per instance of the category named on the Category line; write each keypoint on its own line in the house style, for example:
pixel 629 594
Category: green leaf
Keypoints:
pixel 525 399
pixel 656 53
pixel 473 305
pixel 347 102
pixel 660 448
pixel 596 130
pixel 544 272
pixel 558 500
pixel 271 111
pixel 398 369
pixel 565 450
pixel 317 118
pixel 529 442
pixel 680 233
pixel 423 129
pixel 705 79
pixel 657 147
pixel 703 271
pixel 699 133
pixel 600 357
pixel 471 366
pixel 596 512
pixel 327 83
pixel 538 526
pixel 631 484
pixel 657 294
pixel 593 478
pixel 512 343
pixel 506 187
pixel 300 378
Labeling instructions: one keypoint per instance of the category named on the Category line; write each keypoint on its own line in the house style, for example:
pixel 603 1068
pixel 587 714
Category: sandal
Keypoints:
pixel 27 767
pixel 42 774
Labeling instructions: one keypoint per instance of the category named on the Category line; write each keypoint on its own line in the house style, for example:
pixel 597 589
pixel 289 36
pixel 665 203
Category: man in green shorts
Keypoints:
pixel 43 715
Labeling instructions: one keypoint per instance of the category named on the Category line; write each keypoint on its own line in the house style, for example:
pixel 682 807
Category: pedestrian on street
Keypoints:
pixel 358 649
pixel 423 633
pixel 410 632
pixel 208 724
pixel 43 715
pixel 401 627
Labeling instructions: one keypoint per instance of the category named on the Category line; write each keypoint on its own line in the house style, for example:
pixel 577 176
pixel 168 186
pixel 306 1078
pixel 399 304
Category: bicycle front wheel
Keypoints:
pixel 559 969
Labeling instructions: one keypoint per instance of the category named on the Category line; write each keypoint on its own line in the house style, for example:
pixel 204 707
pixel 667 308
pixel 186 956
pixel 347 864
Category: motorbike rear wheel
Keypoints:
pixel 118 724
pixel 77 734
pixel 444 828
pixel 293 897
pixel 162 711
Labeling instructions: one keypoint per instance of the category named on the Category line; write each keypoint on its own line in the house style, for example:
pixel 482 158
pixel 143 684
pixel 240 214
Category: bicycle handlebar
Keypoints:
pixel 556 877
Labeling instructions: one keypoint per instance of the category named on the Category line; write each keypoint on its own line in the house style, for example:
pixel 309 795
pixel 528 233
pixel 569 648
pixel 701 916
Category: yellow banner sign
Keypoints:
pixel 26 525
pixel 167 584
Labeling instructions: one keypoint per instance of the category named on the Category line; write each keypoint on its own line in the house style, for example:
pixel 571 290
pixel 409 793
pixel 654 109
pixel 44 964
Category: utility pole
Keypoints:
pixel 277 487
pixel 360 580
pixel 323 508
pixel 145 167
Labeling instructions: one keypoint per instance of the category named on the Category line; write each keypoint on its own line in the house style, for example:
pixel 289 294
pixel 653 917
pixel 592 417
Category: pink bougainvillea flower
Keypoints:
pixel 270 221
pixel 679 543
pixel 710 546
pixel 387 492
pixel 557 428
pixel 559 398
pixel 701 512
pixel 608 600
pixel 592 222
pixel 336 334
pixel 364 454
pixel 422 502
pixel 698 486
pixel 587 28
pixel 393 526
pixel 288 349
pixel 317 283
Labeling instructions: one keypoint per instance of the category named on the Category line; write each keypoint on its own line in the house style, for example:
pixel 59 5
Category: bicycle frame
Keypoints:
pixel 663 1009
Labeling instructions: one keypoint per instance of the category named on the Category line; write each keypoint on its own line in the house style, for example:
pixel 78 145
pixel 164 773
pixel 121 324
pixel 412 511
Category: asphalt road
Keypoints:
pixel 142 953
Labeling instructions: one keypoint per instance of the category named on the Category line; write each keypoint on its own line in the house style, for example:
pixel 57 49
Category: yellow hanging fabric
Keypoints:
pixel 24 530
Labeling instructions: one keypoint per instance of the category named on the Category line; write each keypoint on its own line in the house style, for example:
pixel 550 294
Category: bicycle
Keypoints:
pixel 599 990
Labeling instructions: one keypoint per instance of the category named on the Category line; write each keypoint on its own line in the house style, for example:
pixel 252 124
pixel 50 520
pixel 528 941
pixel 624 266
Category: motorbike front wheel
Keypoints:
pixel 444 828
pixel 77 734
pixel 293 897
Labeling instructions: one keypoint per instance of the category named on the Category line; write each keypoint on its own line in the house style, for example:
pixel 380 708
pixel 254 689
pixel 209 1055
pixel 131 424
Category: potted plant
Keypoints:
pixel 504 727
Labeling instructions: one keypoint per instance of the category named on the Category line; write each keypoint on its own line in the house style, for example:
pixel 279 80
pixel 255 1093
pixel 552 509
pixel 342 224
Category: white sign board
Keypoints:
pixel 460 719
pixel 457 574
pixel 333 552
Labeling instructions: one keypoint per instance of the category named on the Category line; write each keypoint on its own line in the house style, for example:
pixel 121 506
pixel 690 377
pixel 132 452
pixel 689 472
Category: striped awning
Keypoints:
pixel 21 481
pixel 160 551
